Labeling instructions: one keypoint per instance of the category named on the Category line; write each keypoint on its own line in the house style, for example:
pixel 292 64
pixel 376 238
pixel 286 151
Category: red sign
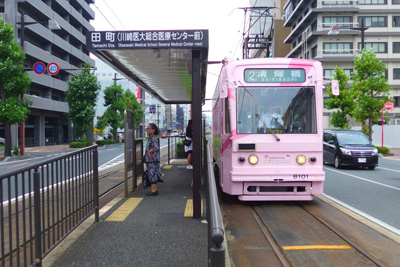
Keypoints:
pixel 39 68
pixel 53 68
pixel 389 106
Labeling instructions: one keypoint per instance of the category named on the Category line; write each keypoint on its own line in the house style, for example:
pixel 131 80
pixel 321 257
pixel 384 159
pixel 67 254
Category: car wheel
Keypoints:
pixel 371 168
pixel 338 162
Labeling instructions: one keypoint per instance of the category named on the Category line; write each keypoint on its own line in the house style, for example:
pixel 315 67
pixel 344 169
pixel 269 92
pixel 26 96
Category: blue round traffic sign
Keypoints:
pixel 39 68
pixel 53 68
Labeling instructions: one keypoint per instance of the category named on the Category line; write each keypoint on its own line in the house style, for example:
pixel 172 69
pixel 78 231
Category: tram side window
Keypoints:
pixel 227 117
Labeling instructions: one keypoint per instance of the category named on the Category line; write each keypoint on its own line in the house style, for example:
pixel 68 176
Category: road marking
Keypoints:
pixel 376 224
pixel 124 210
pixel 315 247
pixel 167 167
pixel 387 169
pixel 357 177
pixel 189 208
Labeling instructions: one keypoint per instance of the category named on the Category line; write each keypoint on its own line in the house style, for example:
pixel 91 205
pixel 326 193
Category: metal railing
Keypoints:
pixel 173 150
pixel 42 203
pixel 216 251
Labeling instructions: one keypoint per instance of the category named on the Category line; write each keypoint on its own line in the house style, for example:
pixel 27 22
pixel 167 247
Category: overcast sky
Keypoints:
pixel 221 17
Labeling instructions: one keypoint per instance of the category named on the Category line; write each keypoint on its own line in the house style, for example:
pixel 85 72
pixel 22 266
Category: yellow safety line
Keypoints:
pixel 315 247
pixel 167 167
pixel 189 208
pixel 124 210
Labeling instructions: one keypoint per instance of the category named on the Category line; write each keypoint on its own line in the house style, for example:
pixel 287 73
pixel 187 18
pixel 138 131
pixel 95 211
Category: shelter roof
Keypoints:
pixel 159 61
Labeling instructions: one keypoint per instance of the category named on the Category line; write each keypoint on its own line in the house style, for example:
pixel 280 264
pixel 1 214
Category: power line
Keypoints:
pixel 114 14
pixel 104 16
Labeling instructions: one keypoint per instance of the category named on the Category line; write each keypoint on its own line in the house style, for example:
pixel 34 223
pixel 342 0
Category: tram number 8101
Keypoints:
pixel 300 176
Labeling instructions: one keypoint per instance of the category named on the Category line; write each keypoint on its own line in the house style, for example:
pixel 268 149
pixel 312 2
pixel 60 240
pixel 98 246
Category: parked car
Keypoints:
pixel 2 141
pixel 349 148
pixel 175 133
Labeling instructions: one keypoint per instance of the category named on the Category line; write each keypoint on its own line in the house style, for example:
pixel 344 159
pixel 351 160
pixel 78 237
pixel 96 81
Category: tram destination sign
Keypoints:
pixel 147 39
pixel 274 75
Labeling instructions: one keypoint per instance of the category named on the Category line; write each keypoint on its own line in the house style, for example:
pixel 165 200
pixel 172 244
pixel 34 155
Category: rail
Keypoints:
pixel 216 252
pixel 43 202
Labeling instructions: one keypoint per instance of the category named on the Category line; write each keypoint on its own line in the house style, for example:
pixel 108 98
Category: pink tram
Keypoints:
pixel 267 129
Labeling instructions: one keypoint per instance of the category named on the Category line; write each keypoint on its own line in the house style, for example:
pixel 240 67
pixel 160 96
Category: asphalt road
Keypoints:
pixel 373 193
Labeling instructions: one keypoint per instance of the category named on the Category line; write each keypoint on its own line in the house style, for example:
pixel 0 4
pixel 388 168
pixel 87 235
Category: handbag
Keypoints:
pixel 187 142
pixel 145 179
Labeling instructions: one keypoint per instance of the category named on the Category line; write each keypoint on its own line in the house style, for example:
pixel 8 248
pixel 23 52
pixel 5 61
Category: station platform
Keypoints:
pixel 141 230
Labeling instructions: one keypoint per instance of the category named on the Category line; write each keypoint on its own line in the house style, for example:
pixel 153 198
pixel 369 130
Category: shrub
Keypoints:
pixel 180 150
pixel 104 142
pixel 80 144
pixel 383 150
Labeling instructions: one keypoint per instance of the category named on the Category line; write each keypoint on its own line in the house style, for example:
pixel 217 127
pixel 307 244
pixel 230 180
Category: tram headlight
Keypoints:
pixel 301 159
pixel 253 159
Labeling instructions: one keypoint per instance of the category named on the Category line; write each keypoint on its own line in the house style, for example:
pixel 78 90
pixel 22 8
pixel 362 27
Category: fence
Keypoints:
pixel 391 135
pixel 175 151
pixel 42 203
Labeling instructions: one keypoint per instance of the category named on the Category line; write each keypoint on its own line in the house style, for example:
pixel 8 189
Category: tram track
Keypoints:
pixel 281 251
pixel 302 234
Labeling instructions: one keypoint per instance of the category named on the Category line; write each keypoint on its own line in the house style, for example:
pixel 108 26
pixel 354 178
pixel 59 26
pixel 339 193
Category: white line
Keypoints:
pixel 357 177
pixel 363 214
pixel 387 169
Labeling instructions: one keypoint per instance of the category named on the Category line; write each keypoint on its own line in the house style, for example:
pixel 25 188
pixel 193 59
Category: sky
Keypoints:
pixel 222 18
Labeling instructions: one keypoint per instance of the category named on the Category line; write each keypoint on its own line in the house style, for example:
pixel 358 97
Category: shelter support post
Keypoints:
pixel 196 118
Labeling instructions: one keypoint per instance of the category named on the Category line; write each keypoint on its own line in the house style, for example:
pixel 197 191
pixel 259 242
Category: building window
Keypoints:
pixel 395 1
pixel 396 101
pixel 377 47
pixel 328 73
pixel 337 48
pixel 373 21
pixel 342 22
pixel 396 47
pixel 396 74
pixel 396 21
pixel 372 2
pixel 314 51
pixel 335 3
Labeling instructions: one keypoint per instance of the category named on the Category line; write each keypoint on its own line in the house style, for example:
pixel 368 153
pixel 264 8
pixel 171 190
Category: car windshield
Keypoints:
pixel 276 110
pixel 352 138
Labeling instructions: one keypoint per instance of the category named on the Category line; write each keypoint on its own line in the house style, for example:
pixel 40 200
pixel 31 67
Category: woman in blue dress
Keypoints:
pixel 152 158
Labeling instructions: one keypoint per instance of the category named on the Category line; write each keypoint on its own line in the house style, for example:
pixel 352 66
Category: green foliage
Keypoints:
pixel 370 88
pixel 383 150
pixel 114 114
pixel 16 150
pixel 343 103
pixel 14 82
pixel 83 91
pixel 80 144
pixel 180 150
pixel 104 142
pixel 133 105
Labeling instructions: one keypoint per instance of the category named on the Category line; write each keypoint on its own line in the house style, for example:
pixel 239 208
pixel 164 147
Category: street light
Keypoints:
pixel 53 25
pixel 335 31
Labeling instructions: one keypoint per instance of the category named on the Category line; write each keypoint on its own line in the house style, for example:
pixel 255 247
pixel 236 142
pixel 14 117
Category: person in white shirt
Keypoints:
pixel 270 119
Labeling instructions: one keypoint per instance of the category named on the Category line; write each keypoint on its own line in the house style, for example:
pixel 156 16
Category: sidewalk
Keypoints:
pixel 141 230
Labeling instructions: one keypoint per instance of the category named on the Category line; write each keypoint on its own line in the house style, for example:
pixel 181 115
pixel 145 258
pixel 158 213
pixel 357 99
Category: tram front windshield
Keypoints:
pixel 276 110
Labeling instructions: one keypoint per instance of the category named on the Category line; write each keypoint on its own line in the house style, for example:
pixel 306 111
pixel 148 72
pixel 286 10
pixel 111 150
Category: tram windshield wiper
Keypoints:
pixel 266 127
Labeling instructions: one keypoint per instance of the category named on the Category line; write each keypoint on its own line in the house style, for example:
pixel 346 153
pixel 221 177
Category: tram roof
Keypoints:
pixel 159 61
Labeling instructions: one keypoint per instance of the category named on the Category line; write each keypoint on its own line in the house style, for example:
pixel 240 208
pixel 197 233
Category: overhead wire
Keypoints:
pixel 104 16
pixel 114 14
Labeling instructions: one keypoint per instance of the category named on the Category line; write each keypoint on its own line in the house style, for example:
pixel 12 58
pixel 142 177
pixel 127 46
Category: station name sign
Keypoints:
pixel 147 39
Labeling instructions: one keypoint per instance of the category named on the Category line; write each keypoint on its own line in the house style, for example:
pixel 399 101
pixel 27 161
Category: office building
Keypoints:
pixel 47 123
pixel 311 21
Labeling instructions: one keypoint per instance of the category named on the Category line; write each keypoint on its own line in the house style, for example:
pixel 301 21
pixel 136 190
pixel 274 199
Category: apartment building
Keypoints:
pixel 47 123
pixel 311 37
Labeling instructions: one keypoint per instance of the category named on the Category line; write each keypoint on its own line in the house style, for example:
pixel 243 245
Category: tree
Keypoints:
pixel 370 89
pixel 343 103
pixel 114 114
pixel 83 91
pixel 133 105
pixel 14 82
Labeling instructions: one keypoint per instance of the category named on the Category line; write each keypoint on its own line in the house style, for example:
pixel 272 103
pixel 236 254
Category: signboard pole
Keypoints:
pixel 129 149
pixel 382 126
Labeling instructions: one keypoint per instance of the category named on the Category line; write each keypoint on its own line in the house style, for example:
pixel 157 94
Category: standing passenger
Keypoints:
pixel 189 149
pixel 152 158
